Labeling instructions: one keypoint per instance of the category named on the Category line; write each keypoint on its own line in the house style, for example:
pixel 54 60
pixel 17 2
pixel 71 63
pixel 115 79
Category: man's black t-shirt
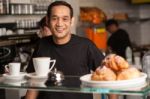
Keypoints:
pixel 77 57
pixel 119 41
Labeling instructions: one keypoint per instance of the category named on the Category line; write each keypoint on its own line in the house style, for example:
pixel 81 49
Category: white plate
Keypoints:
pixel 34 76
pixel 11 77
pixel 140 81
pixel 37 82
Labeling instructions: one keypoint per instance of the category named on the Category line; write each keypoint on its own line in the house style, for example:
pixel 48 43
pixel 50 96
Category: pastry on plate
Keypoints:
pixel 115 67
pixel 129 73
pixel 115 62
pixel 103 74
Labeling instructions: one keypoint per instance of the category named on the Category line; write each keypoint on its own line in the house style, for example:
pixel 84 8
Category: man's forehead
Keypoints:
pixel 60 12
pixel 60 8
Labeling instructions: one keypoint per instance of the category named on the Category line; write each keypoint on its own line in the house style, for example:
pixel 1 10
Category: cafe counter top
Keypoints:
pixel 70 84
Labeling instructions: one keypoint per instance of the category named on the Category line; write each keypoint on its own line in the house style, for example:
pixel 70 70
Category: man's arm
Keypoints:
pixel 95 56
pixel 31 94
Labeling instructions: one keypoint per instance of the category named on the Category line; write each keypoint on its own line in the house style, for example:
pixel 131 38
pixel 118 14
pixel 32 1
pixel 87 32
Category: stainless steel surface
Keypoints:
pixel 55 77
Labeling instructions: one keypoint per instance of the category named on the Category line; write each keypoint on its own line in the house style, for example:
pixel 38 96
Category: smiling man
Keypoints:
pixel 60 23
pixel 74 55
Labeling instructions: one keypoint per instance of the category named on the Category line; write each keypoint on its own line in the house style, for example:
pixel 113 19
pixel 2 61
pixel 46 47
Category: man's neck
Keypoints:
pixel 115 30
pixel 61 41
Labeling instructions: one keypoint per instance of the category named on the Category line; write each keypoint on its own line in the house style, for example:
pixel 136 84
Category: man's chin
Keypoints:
pixel 59 36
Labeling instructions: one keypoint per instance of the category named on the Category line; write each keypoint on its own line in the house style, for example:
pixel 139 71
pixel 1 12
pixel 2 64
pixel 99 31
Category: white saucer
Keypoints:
pixel 34 76
pixel 15 83
pixel 11 77
pixel 37 82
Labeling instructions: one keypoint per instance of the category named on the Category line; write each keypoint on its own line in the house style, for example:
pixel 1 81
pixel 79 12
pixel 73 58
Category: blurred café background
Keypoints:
pixel 19 24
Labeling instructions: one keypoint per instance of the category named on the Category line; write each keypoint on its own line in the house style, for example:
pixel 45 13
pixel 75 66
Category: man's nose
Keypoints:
pixel 59 22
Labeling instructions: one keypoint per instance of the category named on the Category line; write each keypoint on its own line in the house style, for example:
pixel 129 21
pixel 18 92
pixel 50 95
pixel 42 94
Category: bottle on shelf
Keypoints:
pixel 128 54
pixel 12 9
pixel 1 7
pixel 7 6
pixel 137 60
pixel 146 64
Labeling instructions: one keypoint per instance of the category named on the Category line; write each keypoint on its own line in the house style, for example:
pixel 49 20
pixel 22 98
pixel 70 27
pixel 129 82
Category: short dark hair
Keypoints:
pixel 42 23
pixel 58 3
pixel 110 22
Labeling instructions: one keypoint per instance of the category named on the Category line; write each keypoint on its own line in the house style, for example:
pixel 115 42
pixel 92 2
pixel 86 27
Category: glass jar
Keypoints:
pixel 146 63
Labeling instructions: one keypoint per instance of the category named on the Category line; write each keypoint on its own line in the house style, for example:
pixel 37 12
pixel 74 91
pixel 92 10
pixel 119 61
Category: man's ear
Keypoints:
pixel 72 21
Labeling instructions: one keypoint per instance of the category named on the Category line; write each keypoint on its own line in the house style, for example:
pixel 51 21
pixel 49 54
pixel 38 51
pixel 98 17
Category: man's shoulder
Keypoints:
pixel 122 31
pixel 81 39
pixel 46 38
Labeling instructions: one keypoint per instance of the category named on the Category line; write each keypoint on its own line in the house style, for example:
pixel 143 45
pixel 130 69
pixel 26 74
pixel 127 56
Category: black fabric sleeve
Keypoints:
pixel 119 41
pixel 95 56
pixel 30 67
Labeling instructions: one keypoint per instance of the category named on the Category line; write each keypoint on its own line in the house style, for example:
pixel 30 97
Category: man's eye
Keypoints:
pixel 65 19
pixel 54 18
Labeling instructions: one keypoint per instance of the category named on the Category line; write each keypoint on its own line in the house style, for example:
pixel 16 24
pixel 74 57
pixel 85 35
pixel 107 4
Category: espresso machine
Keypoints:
pixel 7 54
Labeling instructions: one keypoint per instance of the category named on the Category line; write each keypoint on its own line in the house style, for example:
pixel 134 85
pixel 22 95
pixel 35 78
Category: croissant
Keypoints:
pixel 129 73
pixel 103 74
pixel 115 62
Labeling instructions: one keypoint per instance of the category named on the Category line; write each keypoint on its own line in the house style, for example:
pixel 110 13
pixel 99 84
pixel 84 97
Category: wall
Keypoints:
pixel 145 26
pixel 74 4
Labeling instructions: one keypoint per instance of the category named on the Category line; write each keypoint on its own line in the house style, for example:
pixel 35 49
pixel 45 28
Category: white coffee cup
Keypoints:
pixel 13 68
pixel 42 65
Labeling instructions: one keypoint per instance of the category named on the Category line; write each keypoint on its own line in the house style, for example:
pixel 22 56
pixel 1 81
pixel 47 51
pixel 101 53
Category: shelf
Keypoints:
pixel 72 84
pixel 41 14
pixel 17 39
pixel 17 36
pixel 138 19
pixel 135 19
pixel 27 29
